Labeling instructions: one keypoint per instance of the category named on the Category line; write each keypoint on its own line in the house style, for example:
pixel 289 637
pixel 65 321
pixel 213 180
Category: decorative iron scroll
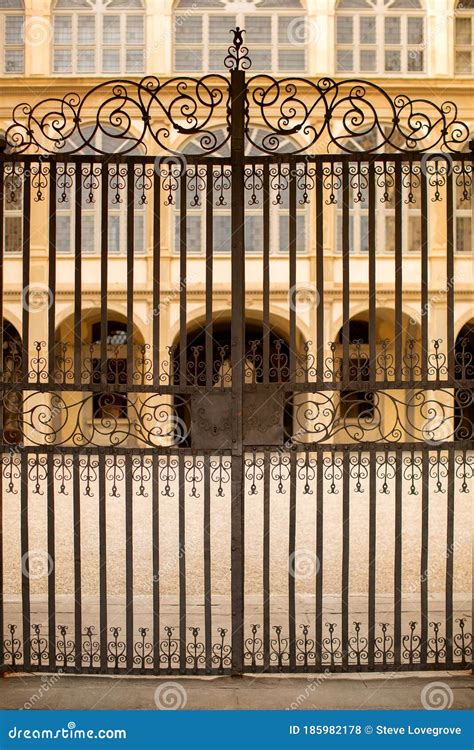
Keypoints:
pixel 350 115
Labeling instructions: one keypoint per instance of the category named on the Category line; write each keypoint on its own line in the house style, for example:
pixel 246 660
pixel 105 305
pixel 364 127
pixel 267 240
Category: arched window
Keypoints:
pixel 99 36
pixel 12 373
pixel 464 37
pixel 276 34
pixel 279 209
pixel 380 36
pixel 91 202
pixel 11 36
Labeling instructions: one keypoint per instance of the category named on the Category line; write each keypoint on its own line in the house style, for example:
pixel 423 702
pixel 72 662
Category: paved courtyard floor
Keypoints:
pixel 387 691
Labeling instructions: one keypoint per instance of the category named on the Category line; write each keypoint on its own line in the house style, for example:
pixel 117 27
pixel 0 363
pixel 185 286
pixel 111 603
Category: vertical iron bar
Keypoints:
pixel 397 627
pixel 266 560
pixel 52 268
pixel 292 270
pixel 319 273
pixel 156 560
pixel 292 563
pixel 182 279
pixel 76 495
pixel 345 559
pixel 238 94
pixel 209 276
pixel 266 272
pixel 130 269
pixel 372 277
pixel 26 273
pixel 319 557
pixel 207 562
pixel 104 249
pixel 372 554
pixel 129 559
pixel 51 563
pixel 102 563
pixel 25 578
pixel 156 273
pixel 345 271
pixel 398 270
pixel 424 275
pixel 182 563
pixel 2 396
pixel 450 273
pixel 450 555
pixel 77 273
pixel 424 554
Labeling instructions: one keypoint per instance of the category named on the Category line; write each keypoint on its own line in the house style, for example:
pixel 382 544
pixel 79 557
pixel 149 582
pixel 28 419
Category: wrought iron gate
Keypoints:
pixel 235 494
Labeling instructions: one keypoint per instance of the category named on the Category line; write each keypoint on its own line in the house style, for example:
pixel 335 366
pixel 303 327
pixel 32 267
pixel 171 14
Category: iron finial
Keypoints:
pixel 238 55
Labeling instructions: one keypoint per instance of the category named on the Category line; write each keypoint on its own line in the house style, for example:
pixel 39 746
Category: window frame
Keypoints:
pixel 381 12
pixel 461 14
pixel 5 47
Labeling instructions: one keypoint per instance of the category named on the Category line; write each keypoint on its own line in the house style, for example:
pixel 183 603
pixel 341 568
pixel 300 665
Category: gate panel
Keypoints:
pixel 235 435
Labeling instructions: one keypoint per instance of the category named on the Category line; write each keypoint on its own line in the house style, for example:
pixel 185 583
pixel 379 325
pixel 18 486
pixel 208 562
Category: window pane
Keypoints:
pixel 339 232
pixel 13 61
pixel 114 234
pixel 135 30
pixel 367 30
pixel 259 30
pixel 193 234
pixel 344 30
pixel 139 233
pixel 13 29
pixel 216 60
pixel 415 30
pixel 364 233
pixel 463 62
pixel 415 60
pixel 63 30
pixel 134 60
pixel 254 234
pixel 463 31
pixel 13 193
pixel 219 28
pixel 111 30
pixel 62 61
pixel 392 30
pixel 88 233
pixel 222 233
pixel 368 60
pixel 292 29
pixel 86 29
pixel 63 234
pixel 414 234
pixel 463 234
pixel 292 59
pixel 188 30
pixel 188 59
pixel 262 59
pixel 111 60
pixel 13 234
pixel 344 60
pixel 86 61
pixel 392 61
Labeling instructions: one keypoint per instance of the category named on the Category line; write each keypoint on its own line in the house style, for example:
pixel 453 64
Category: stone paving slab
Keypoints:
pixel 358 691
